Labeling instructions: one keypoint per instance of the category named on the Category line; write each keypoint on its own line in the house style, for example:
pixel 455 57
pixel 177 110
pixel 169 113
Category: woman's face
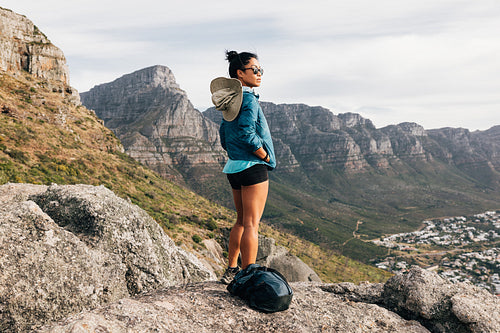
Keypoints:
pixel 247 77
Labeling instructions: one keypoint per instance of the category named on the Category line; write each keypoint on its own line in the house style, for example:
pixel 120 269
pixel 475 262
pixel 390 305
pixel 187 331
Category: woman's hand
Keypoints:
pixel 262 154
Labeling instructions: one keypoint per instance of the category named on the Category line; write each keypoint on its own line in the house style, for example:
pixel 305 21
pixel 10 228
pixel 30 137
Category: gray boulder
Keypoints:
pixel 441 305
pixel 364 292
pixel 277 257
pixel 104 221
pixel 74 248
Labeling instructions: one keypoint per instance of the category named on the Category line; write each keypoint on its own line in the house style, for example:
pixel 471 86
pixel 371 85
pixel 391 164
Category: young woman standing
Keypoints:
pixel 246 137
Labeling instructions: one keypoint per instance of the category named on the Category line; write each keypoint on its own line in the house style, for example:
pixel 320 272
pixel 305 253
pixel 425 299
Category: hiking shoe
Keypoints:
pixel 229 275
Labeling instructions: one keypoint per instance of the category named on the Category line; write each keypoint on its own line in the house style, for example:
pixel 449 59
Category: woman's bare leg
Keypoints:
pixel 236 231
pixel 253 200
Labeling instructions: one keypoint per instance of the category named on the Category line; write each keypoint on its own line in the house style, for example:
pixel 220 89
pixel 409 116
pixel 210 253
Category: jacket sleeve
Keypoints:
pixel 247 125
pixel 222 135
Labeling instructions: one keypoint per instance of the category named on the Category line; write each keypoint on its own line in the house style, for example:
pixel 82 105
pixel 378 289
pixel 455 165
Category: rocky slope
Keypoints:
pixel 156 122
pixel 77 257
pixel 64 249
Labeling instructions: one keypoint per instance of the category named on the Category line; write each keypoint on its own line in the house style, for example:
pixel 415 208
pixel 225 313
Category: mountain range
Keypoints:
pixel 336 174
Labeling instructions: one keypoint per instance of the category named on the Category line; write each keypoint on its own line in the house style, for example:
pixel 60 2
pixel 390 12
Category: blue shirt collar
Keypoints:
pixel 250 90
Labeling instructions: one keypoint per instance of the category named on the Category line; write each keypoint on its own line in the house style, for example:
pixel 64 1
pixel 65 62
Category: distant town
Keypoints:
pixel 460 249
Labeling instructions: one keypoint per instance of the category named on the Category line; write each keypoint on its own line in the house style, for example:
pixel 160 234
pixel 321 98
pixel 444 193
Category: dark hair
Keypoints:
pixel 238 61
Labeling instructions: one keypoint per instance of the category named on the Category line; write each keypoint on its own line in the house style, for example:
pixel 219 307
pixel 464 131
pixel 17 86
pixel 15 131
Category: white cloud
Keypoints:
pixel 436 62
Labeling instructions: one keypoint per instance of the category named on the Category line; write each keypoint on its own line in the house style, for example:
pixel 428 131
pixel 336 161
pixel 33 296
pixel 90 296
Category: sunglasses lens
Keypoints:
pixel 256 70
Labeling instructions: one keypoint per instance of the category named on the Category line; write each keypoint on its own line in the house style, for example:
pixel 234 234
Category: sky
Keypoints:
pixel 435 63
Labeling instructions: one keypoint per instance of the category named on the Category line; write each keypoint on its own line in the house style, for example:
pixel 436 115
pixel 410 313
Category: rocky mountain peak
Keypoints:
pixel 413 129
pixel 350 119
pixel 155 121
pixel 23 47
pixel 157 76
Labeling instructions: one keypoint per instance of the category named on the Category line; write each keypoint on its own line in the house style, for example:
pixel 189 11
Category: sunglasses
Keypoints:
pixel 256 70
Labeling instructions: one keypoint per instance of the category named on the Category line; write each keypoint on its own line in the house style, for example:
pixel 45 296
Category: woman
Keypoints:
pixel 245 136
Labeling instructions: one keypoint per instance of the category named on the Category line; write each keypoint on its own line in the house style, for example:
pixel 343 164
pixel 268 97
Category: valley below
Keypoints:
pixel 460 249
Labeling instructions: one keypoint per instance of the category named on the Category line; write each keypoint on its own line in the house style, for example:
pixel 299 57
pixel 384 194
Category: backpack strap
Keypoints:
pixel 272 270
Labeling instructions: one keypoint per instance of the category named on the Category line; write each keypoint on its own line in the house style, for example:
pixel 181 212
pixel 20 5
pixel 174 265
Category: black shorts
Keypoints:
pixel 251 176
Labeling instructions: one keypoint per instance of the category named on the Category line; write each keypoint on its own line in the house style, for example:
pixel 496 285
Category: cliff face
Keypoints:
pixel 155 121
pixel 475 153
pixel 25 48
pixel 314 138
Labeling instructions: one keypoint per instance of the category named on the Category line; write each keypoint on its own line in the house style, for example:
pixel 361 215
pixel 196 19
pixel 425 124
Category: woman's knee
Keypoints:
pixel 251 225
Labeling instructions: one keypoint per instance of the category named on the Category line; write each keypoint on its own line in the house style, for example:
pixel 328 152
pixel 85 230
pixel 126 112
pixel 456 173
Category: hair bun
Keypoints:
pixel 230 55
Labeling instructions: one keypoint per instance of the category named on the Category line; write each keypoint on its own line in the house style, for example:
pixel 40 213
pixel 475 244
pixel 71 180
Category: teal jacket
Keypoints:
pixel 247 132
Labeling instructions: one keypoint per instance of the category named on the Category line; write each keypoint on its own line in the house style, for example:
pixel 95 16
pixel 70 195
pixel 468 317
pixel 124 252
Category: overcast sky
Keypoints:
pixel 436 63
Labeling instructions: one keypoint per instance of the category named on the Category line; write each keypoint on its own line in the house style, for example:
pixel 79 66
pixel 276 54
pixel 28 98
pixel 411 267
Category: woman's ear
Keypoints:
pixel 239 73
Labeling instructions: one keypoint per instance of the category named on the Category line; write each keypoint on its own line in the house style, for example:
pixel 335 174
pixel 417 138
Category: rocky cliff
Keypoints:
pixel 314 138
pixel 156 122
pixel 23 47
pixel 475 153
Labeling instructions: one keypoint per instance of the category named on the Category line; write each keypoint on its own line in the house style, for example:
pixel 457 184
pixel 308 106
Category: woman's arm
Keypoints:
pixel 222 135
pixel 247 124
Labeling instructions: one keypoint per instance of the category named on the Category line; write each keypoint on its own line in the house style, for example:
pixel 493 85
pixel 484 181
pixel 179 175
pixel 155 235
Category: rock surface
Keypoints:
pixel 73 257
pixel 208 307
pixel 65 249
pixel 417 301
pixel 440 305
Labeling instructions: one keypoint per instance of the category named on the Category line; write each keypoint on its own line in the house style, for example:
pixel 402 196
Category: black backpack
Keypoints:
pixel 264 289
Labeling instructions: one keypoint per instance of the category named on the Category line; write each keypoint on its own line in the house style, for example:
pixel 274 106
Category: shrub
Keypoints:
pixel 211 224
pixel 197 239
pixel 18 155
